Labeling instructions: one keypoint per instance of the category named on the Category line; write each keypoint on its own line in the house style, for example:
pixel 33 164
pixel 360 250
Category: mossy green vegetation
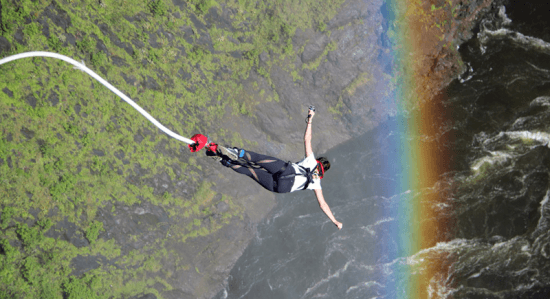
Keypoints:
pixel 92 232
pixel 69 147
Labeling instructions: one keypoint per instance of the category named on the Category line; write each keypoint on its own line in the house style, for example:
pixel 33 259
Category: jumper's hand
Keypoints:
pixel 339 224
pixel 310 113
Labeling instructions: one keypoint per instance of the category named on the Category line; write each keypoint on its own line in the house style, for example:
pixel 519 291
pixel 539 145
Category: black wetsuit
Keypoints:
pixel 269 175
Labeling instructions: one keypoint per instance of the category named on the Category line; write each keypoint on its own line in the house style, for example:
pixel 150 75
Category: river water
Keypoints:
pixel 497 244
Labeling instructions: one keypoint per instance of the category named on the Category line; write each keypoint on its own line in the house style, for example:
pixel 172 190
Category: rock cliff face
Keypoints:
pixel 179 234
pixel 340 72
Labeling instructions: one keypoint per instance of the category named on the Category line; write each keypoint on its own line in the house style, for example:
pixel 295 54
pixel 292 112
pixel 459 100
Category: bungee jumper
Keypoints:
pixel 273 174
pixel 277 175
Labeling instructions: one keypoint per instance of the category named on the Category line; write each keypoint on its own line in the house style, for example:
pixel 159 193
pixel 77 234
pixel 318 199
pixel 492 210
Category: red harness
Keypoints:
pixel 322 169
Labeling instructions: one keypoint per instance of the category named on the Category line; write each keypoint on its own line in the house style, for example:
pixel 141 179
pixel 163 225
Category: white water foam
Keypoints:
pixel 540 101
pixel 497 157
pixel 326 279
pixel 524 41
pixel 364 285
pixel 542 224
pixel 469 74
pixel 541 137
pixel 370 228
pixel 503 16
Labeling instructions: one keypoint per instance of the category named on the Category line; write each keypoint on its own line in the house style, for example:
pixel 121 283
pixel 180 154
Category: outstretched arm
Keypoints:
pixel 324 206
pixel 307 135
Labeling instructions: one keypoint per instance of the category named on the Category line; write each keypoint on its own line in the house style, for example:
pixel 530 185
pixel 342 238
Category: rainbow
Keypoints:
pixel 421 37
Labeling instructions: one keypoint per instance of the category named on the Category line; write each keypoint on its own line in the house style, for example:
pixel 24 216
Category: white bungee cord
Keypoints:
pixel 102 81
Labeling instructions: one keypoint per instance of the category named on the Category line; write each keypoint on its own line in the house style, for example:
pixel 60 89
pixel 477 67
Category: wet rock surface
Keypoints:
pixel 146 221
pixel 68 231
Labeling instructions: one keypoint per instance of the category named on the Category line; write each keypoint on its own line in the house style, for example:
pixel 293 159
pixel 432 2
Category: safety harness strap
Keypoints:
pixel 302 171
pixel 307 174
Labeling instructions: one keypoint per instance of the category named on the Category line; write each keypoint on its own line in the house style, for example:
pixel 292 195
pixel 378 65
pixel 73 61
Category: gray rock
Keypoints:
pixel 6 90
pixel 314 48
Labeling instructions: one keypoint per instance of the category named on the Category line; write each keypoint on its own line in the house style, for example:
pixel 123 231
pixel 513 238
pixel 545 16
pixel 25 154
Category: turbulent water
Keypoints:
pixel 495 196
pixel 500 111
